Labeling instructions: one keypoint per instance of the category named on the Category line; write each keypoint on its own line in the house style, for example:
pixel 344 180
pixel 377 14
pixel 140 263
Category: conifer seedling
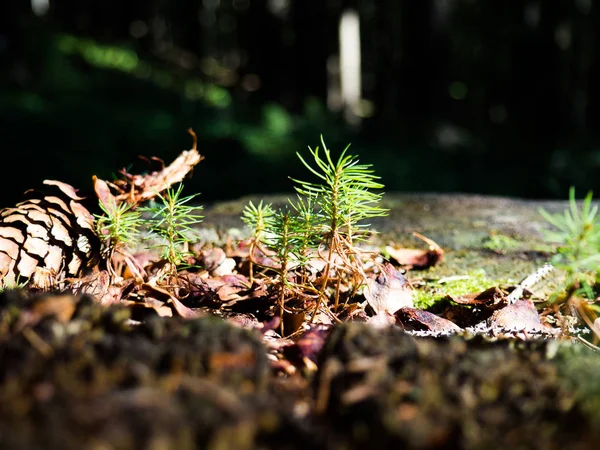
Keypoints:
pixel 346 192
pixel 285 233
pixel 171 220
pixel 258 218
pixel 120 225
pixel 577 233
pixel 287 237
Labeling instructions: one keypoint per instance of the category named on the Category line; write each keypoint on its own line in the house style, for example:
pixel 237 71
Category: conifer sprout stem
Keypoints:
pixel 283 261
pixel 257 218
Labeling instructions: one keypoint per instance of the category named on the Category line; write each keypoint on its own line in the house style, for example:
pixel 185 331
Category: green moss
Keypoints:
pixel 474 281
pixel 501 243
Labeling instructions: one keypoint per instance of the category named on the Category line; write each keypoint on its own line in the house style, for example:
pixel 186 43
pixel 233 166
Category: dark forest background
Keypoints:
pixel 457 95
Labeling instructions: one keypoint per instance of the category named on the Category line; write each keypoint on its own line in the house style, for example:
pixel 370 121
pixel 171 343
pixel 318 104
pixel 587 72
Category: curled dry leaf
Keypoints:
pixel 417 259
pixel 173 302
pixel 215 261
pixel 102 287
pixel 104 195
pixel 470 309
pixel 227 287
pixel 413 319
pixel 229 292
pixel 488 298
pixel 136 189
pixel 149 308
pixel 232 289
pixel 211 258
pixel 519 317
pixel 388 291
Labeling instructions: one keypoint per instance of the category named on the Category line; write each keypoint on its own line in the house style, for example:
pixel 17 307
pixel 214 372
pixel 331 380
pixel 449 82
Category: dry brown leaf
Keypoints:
pixel 173 302
pixel 104 195
pixel 488 298
pixel 417 259
pixel 304 352
pixel 413 319
pixel 102 287
pixel 211 258
pixel 388 291
pixel 520 317
pixel 215 261
pixel 136 189
pixel 141 310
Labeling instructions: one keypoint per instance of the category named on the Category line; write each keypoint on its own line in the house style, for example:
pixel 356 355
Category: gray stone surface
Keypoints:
pixel 461 224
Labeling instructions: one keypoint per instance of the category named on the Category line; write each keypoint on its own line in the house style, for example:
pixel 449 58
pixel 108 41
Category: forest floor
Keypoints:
pixel 75 374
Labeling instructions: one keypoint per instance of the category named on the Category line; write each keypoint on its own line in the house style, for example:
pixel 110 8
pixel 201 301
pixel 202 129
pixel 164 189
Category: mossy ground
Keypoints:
pixel 488 241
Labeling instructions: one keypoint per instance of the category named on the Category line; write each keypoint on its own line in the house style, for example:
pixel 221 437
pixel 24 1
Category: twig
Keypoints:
pixel 528 282
pixel 588 344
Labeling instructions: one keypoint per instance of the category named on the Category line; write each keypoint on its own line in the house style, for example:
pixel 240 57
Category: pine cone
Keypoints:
pixel 47 238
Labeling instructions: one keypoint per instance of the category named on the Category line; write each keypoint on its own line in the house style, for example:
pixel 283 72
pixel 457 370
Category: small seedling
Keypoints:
pixel 286 237
pixel 258 218
pixel 308 224
pixel 16 284
pixel 577 234
pixel 171 221
pixel 120 225
pixel 346 195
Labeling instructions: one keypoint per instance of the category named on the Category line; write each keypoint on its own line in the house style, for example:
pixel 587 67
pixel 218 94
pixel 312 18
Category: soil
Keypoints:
pixel 78 375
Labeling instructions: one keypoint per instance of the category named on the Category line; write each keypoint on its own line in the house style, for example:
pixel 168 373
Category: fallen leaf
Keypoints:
pixel 520 317
pixel 104 195
pixel 417 259
pixel 304 352
pixel 388 291
pixel 412 319
pixel 174 303
pixel 211 258
pixel 137 189
pixel 488 298
pixel 225 268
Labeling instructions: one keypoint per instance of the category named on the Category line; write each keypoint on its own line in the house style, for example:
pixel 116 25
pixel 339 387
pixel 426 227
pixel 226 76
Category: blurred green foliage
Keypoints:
pixel 100 106
pixel 461 96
